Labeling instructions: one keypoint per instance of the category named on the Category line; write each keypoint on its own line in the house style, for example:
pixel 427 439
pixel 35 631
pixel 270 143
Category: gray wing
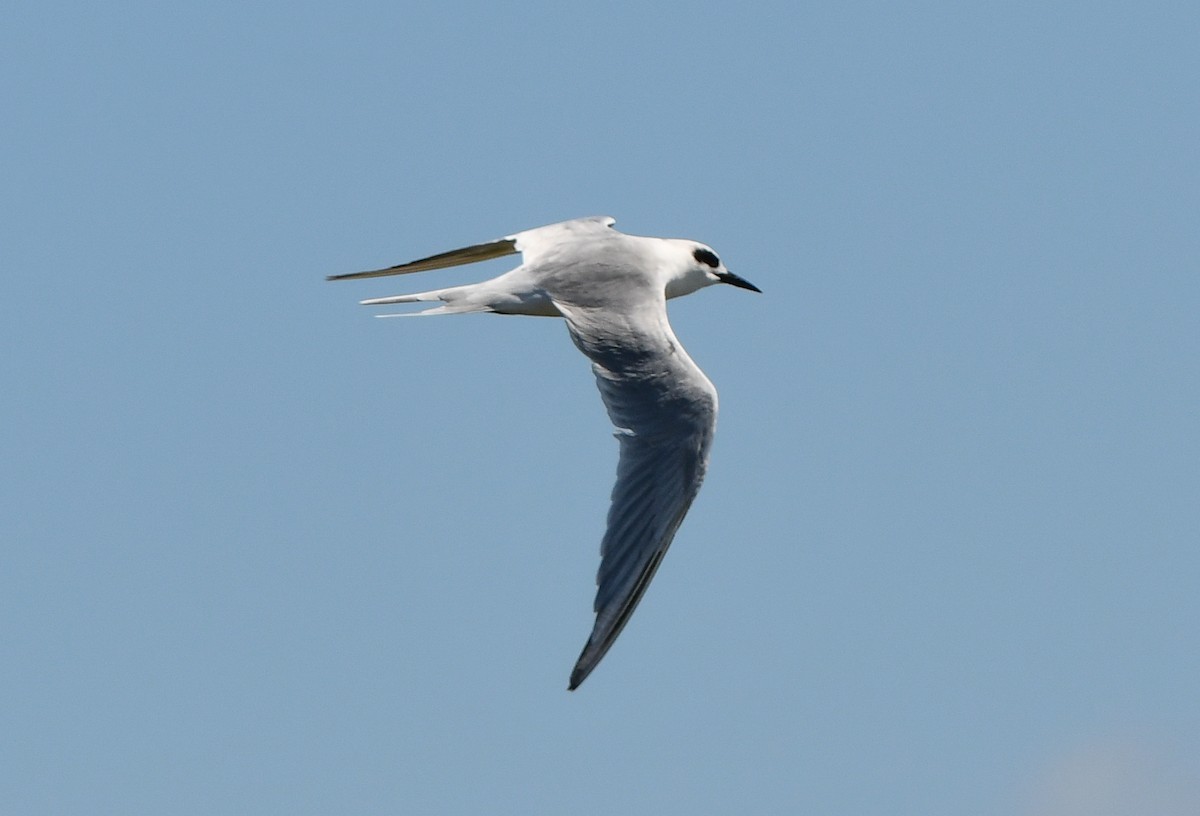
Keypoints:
pixel 455 257
pixel 533 244
pixel 665 412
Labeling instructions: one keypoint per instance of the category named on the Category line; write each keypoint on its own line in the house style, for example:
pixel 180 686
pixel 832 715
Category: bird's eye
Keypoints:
pixel 707 258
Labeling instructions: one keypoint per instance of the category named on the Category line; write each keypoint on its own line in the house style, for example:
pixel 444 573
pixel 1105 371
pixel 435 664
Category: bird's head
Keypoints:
pixel 698 266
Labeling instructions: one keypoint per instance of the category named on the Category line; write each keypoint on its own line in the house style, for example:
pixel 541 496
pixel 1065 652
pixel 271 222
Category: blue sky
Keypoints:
pixel 264 554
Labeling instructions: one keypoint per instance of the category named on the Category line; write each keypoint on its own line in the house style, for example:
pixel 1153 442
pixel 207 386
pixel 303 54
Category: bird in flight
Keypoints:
pixel 612 290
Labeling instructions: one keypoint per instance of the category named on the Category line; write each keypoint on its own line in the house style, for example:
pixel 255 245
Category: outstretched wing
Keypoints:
pixel 531 243
pixel 665 412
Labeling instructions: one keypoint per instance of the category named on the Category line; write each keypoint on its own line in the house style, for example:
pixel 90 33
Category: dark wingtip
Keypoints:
pixel 578 675
pixel 455 257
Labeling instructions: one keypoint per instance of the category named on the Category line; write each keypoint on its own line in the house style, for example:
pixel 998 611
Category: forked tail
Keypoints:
pixel 455 300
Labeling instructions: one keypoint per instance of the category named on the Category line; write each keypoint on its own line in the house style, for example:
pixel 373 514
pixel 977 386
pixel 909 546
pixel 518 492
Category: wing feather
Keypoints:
pixel 532 243
pixel 455 257
pixel 665 411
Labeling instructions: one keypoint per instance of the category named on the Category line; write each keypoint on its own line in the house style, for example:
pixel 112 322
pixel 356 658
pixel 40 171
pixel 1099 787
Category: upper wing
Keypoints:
pixel 665 412
pixel 455 257
pixel 532 243
pixel 536 244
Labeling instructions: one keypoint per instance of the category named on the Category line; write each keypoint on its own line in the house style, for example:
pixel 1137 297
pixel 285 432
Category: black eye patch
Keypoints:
pixel 707 258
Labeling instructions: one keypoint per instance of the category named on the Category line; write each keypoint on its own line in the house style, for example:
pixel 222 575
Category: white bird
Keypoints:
pixel 612 289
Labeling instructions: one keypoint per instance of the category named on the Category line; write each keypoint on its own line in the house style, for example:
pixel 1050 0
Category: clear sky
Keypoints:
pixel 263 554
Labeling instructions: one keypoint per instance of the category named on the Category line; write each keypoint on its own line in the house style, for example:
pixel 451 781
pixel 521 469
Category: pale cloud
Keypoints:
pixel 1118 776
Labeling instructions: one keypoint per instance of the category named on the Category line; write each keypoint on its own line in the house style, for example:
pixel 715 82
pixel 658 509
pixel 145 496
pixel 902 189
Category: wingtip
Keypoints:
pixel 584 666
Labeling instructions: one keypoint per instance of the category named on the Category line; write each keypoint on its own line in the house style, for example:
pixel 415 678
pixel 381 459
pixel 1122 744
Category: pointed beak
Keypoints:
pixel 740 282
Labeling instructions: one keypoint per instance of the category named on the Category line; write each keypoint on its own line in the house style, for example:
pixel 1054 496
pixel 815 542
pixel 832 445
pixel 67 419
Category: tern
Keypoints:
pixel 612 290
